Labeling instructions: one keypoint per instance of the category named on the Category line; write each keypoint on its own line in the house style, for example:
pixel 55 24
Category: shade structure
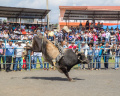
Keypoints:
pixel 91 15
pixel 26 13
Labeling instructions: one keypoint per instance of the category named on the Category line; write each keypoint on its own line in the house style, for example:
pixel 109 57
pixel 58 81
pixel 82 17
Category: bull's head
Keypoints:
pixel 82 59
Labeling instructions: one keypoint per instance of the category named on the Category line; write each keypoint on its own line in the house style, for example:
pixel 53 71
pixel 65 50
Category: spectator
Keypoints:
pixel 83 49
pixel 106 55
pixel 51 35
pixel 39 56
pixel 100 55
pixel 87 25
pixel 1 35
pixel 46 63
pixel 73 46
pixel 19 53
pixel 107 36
pixel 9 52
pixel 90 56
pixel 2 54
pixel 5 35
pixel 96 56
pixel 117 51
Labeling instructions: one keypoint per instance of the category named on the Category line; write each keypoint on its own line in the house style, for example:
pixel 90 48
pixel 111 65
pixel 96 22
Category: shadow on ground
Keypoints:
pixel 51 78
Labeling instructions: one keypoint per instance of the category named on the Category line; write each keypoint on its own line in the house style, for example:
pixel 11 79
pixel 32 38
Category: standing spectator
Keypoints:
pixel 90 56
pixel 113 50
pixel 87 25
pixel 83 49
pixel 19 53
pixel 106 55
pixel 32 60
pixel 100 55
pixel 91 26
pixel 39 56
pixel 98 25
pixel 80 27
pixel 96 56
pixel 73 46
pixel 51 35
pixel 2 54
pixel 117 51
pixel 9 53
pixel 46 63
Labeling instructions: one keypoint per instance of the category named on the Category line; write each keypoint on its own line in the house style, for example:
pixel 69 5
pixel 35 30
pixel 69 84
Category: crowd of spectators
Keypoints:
pixel 91 39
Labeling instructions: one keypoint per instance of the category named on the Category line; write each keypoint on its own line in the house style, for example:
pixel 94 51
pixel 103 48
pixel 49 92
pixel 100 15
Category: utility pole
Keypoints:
pixel 47 15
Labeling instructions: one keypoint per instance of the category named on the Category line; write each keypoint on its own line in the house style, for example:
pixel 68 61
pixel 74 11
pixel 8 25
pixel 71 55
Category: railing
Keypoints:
pixel 29 55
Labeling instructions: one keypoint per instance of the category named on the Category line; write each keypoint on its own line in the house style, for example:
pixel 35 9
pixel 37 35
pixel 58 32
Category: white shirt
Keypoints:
pixel 37 53
pixel 5 35
pixel 19 51
pixel 23 26
pixel 107 35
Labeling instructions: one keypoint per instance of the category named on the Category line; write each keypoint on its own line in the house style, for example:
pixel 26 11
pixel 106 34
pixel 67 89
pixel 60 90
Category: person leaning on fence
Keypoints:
pixel 100 55
pixel 117 56
pixel 9 52
pixel 96 56
pixel 2 54
pixel 39 56
pixel 90 56
pixel 19 53
pixel 106 55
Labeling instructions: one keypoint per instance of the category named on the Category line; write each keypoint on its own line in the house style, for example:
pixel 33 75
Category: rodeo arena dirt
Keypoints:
pixel 78 60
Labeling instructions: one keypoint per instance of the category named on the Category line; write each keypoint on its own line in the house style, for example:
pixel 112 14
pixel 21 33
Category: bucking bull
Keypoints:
pixel 50 53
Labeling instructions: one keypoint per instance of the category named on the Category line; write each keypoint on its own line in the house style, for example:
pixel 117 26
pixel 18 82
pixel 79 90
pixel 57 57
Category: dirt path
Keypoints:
pixel 53 83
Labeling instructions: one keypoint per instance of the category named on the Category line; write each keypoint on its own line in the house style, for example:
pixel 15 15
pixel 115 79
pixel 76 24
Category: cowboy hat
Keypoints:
pixel 66 29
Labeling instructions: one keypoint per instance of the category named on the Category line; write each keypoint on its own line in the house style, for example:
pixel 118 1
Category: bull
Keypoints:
pixel 50 52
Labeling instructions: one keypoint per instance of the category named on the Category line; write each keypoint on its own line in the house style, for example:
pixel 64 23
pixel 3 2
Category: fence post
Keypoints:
pixel 5 56
pixel 29 59
pixel 79 46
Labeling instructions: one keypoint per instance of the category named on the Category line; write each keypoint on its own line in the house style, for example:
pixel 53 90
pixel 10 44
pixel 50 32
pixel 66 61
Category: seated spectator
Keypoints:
pixel 5 35
pixel 107 36
pixel 1 35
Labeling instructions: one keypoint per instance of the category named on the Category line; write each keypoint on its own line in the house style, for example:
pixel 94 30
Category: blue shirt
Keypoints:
pixel 96 51
pixel 42 33
pixel 101 50
pixel 90 52
pixel 9 50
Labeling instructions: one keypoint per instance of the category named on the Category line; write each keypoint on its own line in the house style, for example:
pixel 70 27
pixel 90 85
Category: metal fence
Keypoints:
pixel 29 55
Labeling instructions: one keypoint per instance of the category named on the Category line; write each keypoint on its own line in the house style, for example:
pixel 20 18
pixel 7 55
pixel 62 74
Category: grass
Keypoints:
pixel 112 61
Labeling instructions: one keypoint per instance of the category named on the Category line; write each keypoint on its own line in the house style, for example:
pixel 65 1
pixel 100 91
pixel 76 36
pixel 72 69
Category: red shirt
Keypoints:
pixel 72 47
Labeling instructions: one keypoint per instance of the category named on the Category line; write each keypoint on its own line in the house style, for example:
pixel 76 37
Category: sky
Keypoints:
pixel 54 5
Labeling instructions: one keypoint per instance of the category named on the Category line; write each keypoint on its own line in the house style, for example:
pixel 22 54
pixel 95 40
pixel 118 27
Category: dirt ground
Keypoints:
pixel 53 83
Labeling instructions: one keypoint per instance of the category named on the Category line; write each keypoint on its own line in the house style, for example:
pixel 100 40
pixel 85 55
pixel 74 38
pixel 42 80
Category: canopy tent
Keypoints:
pixel 27 13
pixel 91 15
